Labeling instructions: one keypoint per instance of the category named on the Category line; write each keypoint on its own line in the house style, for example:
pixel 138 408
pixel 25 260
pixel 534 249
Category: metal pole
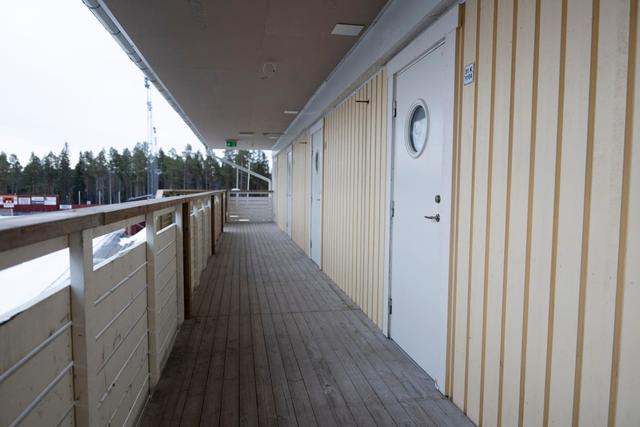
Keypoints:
pixel 248 176
pixel 242 168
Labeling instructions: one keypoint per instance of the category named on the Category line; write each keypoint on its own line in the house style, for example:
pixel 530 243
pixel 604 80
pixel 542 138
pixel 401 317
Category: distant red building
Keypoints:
pixel 27 203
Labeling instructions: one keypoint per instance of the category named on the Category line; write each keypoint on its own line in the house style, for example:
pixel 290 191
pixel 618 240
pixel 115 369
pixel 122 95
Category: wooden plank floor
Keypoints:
pixel 274 342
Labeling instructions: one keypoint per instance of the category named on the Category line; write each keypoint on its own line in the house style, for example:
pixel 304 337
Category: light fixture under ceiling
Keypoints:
pixel 272 135
pixel 245 133
pixel 351 30
pixel 292 112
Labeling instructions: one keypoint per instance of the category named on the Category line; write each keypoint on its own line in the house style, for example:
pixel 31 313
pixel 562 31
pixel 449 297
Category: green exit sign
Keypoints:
pixel 231 143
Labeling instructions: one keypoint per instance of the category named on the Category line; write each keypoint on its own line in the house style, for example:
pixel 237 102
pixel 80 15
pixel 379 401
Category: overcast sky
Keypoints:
pixel 64 78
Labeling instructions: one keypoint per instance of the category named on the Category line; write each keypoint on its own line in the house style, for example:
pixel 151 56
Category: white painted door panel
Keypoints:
pixel 316 195
pixel 419 245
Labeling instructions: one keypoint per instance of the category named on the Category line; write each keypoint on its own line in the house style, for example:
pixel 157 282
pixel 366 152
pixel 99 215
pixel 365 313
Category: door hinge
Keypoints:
pixel 395 109
pixel 390 305
pixel 393 209
pixel 310 244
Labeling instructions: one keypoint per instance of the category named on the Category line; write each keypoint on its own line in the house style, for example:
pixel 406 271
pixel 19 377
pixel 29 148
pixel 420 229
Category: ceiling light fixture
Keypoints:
pixel 272 135
pixel 292 112
pixel 245 133
pixel 350 30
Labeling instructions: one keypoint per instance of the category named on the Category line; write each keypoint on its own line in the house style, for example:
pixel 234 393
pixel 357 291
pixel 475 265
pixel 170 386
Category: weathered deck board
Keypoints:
pixel 273 342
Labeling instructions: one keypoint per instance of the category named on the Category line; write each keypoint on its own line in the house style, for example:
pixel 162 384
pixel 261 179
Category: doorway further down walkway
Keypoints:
pixel 274 342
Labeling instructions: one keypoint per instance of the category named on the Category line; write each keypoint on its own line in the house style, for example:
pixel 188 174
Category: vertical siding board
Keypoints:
pixel 501 125
pixel 480 189
pixel 329 234
pixel 542 209
pixel 335 168
pixel 464 207
pixel 358 199
pixel 339 279
pixel 455 189
pixel 562 269
pixel 518 209
pixel 382 184
pixel 306 202
pixel 339 240
pixel 350 137
pixel 570 210
pixel 379 210
pixel 373 192
pixel 378 182
pixel 604 226
pixel 281 190
pixel 369 237
pixel 366 238
pixel 625 409
pixel 347 203
pixel 355 225
pixel 300 192
pixel 339 220
pixel 353 222
pixel 344 184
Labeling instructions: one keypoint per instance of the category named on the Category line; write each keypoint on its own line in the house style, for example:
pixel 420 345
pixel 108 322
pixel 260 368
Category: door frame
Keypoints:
pixel 317 126
pixel 441 31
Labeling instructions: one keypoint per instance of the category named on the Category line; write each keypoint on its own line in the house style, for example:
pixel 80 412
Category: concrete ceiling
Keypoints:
pixel 216 57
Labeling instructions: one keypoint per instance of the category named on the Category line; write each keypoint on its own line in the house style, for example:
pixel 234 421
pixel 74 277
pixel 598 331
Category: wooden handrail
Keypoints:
pixel 25 230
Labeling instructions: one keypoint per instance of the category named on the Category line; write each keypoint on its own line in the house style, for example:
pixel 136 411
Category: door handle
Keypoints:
pixel 435 217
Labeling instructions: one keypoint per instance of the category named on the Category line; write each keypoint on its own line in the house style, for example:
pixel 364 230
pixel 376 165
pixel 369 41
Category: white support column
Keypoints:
pixel 81 266
pixel 152 304
pixel 180 262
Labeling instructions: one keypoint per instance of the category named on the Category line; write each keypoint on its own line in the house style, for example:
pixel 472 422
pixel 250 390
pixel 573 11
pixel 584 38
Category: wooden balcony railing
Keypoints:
pixel 91 351
pixel 250 206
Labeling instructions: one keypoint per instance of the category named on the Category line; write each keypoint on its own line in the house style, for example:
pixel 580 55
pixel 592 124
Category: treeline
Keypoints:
pixel 111 176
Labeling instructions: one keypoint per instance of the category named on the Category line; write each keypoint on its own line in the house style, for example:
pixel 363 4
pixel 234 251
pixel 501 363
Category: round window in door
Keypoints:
pixel 417 127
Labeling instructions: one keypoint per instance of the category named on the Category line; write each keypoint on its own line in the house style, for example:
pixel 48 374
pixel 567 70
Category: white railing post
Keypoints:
pixel 187 241
pixel 81 266
pixel 180 262
pixel 152 305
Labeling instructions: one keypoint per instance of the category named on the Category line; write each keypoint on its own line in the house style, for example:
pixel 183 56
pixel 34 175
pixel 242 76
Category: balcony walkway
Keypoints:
pixel 274 342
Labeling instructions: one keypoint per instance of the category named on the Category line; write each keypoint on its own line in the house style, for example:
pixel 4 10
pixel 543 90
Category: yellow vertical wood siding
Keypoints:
pixel 546 242
pixel 301 191
pixel 280 189
pixel 354 201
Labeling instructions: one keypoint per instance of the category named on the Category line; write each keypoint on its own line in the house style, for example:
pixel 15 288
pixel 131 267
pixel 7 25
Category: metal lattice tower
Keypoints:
pixel 152 142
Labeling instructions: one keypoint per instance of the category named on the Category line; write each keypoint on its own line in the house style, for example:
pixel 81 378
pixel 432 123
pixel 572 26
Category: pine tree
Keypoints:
pixel 4 173
pixel 15 174
pixel 64 177
pixel 33 176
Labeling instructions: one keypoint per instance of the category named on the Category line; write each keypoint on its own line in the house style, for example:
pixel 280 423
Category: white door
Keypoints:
pixel 421 208
pixel 289 189
pixel 316 194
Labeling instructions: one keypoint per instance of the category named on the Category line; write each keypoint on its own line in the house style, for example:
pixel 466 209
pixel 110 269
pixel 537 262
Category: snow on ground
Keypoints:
pixel 25 284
